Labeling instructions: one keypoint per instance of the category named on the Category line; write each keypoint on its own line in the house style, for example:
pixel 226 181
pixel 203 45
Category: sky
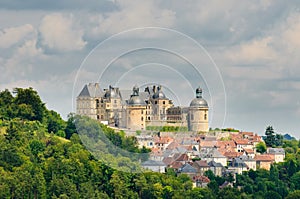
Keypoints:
pixel 244 54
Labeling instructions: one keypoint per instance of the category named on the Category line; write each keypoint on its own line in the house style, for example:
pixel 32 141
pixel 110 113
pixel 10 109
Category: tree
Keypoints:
pixel 30 97
pixel 6 100
pixel 293 195
pixel 261 147
pixel 272 139
pixel 55 122
pixel 270 136
pixel 272 195
pixel 295 179
pixel 70 128
pixel 274 174
pixel 278 140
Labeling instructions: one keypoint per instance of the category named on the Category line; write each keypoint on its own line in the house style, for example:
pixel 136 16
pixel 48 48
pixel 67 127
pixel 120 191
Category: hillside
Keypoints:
pixel 43 156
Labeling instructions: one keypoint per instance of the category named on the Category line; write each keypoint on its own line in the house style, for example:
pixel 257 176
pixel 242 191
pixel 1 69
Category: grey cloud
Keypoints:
pixel 96 5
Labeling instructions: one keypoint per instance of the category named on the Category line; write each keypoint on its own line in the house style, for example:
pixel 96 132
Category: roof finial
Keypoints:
pixel 135 90
pixel 199 92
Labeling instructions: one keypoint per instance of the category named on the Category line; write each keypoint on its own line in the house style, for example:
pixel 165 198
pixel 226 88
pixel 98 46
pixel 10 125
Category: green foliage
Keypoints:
pixel 294 195
pixel 36 163
pixel 272 139
pixel 32 101
pixel 261 147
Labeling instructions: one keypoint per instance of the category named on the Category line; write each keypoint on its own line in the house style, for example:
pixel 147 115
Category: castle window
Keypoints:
pixel 98 117
pixel 142 112
pixel 205 116
pixel 164 102
pixel 142 118
pixel 101 117
pixel 148 118
pixel 155 102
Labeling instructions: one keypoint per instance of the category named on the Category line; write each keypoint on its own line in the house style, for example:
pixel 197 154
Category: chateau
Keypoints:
pixel 138 110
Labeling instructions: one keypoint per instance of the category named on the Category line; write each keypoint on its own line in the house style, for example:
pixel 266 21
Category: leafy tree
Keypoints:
pixel 30 97
pixel 274 174
pixel 293 195
pixel 36 147
pixel 295 179
pixel 55 122
pixel 261 147
pixel 70 128
pixel 272 195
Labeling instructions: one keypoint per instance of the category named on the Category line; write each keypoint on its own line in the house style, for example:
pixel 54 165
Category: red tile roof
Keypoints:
pixel 264 158
pixel 202 179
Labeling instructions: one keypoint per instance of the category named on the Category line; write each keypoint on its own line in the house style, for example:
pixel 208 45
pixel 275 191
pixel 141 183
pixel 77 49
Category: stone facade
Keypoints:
pixel 141 109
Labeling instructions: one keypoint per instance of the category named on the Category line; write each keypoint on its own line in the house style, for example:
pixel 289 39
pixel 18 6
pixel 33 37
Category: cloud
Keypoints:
pixel 133 14
pixel 13 35
pixel 60 33
pixel 22 62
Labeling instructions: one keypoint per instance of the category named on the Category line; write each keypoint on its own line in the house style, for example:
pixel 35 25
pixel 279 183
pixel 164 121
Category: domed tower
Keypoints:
pixel 198 113
pixel 136 111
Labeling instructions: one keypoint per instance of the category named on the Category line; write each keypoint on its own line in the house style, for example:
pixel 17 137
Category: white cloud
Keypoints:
pixel 60 32
pixel 133 14
pixel 13 35
pixel 22 62
pixel 257 50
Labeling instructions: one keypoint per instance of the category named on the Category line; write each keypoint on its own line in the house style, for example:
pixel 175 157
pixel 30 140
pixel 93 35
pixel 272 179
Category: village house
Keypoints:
pixel 201 166
pixel 278 154
pixel 216 168
pixel 200 181
pixel 264 161
pixel 156 166
pixel 212 154
pixel 238 166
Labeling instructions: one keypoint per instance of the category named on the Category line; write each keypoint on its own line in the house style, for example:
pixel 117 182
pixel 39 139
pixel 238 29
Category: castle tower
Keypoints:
pixel 88 100
pixel 198 113
pixel 136 111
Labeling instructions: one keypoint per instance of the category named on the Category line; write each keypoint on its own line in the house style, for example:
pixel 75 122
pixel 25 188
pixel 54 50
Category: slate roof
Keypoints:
pixel 245 158
pixel 276 151
pixel 238 163
pixel 153 163
pixel 91 90
pixel 187 168
pixel 211 153
pixel 214 164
